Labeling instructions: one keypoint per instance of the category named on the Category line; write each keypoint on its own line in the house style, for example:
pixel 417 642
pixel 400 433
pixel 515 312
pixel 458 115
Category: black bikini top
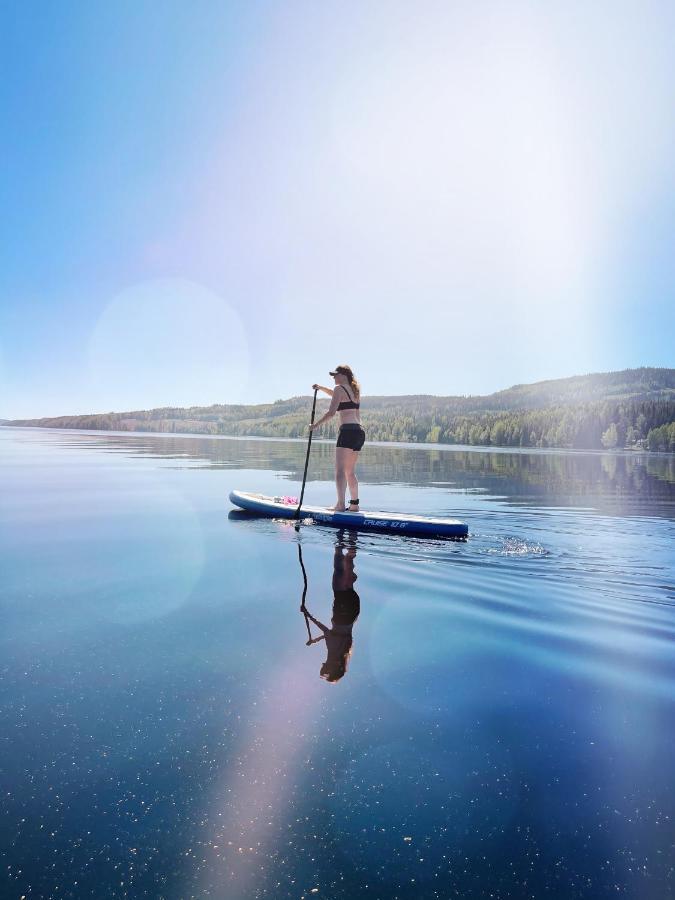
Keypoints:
pixel 347 404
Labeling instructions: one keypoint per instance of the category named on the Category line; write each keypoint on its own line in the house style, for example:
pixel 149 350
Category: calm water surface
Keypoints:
pixel 504 727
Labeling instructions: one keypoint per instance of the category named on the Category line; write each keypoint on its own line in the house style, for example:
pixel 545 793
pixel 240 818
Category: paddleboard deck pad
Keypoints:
pixel 280 508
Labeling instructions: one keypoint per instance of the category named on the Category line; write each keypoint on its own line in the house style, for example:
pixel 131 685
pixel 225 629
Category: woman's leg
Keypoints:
pixel 352 480
pixel 341 456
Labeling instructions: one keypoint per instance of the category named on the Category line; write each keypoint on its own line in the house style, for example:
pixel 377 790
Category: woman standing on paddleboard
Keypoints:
pixel 345 400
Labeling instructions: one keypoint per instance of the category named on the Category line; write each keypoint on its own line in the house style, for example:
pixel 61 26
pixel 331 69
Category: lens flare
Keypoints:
pixel 167 342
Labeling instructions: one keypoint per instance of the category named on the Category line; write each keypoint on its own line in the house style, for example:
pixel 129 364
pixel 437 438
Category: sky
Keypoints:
pixel 218 202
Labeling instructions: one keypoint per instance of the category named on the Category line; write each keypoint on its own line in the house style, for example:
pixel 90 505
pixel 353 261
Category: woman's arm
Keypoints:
pixel 332 409
pixel 320 387
pixel 320 625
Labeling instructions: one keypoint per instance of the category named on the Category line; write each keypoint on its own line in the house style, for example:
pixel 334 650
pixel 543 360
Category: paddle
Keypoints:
pixel 309 445
pixel 304 596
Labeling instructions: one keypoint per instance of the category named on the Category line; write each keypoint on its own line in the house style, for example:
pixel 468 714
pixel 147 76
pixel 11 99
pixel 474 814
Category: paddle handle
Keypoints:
pixel 309 446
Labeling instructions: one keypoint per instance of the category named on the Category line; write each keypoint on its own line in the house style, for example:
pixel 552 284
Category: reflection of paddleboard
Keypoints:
pixel 361 521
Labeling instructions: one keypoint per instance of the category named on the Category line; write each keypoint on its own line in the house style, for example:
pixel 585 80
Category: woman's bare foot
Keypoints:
pixel 337 508
pixel 354 506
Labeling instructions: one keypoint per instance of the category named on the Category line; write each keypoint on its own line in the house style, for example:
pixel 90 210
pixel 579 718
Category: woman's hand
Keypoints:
pixel 321 387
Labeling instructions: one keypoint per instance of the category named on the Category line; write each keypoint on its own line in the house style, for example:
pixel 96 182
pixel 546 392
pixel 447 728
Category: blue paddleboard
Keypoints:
pixel 361 521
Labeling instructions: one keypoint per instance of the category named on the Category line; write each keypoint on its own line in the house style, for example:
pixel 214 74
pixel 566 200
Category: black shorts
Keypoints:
pixel 351 436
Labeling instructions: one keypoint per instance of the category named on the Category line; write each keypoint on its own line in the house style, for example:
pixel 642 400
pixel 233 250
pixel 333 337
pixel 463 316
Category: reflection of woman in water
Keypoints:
pixel 346 607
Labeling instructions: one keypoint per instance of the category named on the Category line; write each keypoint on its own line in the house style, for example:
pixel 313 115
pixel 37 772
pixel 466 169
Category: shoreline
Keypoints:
pixel 407 445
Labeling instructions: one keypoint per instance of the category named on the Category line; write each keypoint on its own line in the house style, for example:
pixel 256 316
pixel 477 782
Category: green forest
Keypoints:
pixel 634 408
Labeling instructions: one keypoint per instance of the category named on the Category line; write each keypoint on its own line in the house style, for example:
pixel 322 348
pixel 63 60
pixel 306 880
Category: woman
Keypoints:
pixel 345 400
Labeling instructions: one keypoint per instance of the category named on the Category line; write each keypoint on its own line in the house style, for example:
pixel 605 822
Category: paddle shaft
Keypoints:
pixel 309 447
pixel 304 594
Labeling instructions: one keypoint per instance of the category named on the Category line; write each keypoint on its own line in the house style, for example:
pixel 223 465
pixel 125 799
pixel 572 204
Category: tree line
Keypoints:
pixel 608 424
pixel 662 438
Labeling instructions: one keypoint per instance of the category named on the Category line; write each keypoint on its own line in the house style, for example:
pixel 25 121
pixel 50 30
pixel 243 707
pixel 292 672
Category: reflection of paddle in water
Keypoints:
pixel 346 607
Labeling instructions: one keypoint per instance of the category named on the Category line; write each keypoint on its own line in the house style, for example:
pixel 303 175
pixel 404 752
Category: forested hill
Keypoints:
pixel 634 407
pixel 651 384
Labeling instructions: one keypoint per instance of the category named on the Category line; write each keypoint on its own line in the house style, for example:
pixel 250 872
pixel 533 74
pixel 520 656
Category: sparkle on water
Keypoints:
pixel 498 717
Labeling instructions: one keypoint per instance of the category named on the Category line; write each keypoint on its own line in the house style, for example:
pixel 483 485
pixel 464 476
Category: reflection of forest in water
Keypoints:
pixel 612 481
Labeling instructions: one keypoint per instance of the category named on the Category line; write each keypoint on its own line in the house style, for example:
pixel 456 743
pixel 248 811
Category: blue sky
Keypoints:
pixel 218 202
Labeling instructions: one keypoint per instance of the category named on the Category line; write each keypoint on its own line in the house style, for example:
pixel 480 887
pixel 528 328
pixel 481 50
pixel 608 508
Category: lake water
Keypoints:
pixel 503 729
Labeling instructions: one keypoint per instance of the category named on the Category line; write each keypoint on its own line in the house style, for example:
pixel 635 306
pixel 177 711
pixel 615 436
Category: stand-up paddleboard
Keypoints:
pixel 275 507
